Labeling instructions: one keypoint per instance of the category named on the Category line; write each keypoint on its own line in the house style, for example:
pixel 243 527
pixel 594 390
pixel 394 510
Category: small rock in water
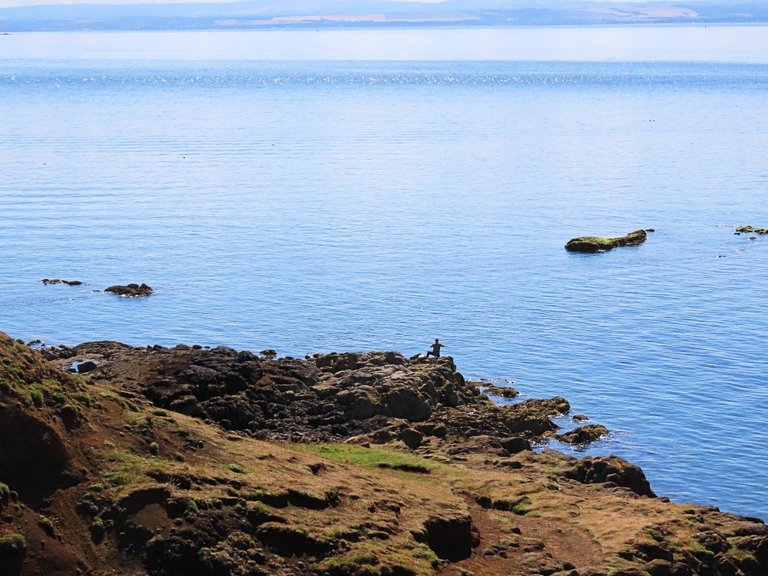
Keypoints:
pixel 130 290
pixel 591 244
pixel 47 281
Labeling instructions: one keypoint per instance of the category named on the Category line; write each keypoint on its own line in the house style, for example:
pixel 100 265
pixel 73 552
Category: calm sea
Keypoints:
pixel 360 190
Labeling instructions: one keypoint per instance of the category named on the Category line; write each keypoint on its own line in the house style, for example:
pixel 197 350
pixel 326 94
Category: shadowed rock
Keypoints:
pixel 591 244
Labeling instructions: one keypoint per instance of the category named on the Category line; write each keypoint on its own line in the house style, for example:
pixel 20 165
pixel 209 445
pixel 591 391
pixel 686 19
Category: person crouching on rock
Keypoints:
pixel 435 349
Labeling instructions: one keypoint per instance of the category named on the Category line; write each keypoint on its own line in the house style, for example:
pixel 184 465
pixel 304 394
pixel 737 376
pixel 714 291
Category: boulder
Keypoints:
pixel 405 402
pixel 411 438
pixel 591 244
pixel 515 444
pixel 583 434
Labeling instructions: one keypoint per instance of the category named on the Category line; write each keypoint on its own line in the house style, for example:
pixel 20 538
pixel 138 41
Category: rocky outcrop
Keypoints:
pixel 591 244
pixel 130 290
pixel 613 469
pixel 377 397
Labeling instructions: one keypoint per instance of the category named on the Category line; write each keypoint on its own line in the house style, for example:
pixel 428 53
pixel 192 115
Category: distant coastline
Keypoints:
pixel 255 15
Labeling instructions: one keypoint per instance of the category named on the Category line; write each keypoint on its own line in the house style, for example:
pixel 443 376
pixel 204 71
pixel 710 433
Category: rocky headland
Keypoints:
pixel 194 461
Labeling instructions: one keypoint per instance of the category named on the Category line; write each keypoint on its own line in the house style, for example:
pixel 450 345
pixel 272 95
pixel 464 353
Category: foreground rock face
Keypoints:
pixel 155 462
pixel 599 244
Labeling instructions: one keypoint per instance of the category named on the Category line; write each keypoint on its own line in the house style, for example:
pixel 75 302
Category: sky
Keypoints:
pixel 11 3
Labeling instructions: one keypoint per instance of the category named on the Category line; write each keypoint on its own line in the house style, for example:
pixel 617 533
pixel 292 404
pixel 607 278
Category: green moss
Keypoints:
pixel 154 448
pixel 119 479
pixel 12 545
pixel 83 398
pixel 743 558
pixel 700 551
pixel 37 398
pixel 236 468
pixel 368 457
pixel 46 524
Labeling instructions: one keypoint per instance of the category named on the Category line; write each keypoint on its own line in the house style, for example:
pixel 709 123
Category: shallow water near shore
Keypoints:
pixel 312 206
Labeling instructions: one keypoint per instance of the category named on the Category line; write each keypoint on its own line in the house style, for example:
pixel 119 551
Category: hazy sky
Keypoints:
pixel 10 3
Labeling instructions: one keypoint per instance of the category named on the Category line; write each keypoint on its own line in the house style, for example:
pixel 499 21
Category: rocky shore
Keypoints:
pixel 194 461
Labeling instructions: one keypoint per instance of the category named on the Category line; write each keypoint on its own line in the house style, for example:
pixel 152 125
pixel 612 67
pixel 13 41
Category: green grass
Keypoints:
pixel 236 468
pixel 12 545
pixel 37 398
pixel 367 457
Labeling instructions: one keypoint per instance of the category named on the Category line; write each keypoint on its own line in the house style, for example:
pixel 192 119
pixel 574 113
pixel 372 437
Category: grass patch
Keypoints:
pixel 368 457
pixel 37 398
pixel 12 545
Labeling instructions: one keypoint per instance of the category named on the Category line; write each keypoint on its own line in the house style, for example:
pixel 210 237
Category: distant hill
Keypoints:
pixel 344 13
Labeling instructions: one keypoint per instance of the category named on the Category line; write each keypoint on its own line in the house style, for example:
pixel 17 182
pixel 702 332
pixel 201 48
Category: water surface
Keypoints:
pixel 311 206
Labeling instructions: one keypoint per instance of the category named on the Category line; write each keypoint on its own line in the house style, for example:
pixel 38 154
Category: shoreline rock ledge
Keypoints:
pixel 591 244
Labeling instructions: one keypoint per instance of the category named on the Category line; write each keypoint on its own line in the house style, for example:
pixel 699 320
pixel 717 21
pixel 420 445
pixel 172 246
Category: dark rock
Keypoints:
pixel 86 366
pixel 583 434
pixel 48 281
pixel 405 402
pixel 130 290
pixel 593 470
pixel 411 438
pixel 501 391
pixel 515 444
pixel 591 244
pixel 451 538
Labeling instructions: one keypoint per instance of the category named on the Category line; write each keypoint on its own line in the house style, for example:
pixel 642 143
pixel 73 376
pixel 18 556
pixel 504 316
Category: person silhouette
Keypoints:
pixel 435 349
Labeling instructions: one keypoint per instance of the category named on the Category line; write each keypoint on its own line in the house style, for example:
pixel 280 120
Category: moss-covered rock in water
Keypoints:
pixel 752 230
pixel 601 244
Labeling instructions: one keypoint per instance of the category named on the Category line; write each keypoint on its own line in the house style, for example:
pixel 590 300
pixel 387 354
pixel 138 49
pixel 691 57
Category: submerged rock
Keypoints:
pixel 591 244
pixel 130 290
pixel 583 434
pixel 48 281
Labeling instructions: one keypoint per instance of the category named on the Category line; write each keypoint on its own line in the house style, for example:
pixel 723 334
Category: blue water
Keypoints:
pixel 311 206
